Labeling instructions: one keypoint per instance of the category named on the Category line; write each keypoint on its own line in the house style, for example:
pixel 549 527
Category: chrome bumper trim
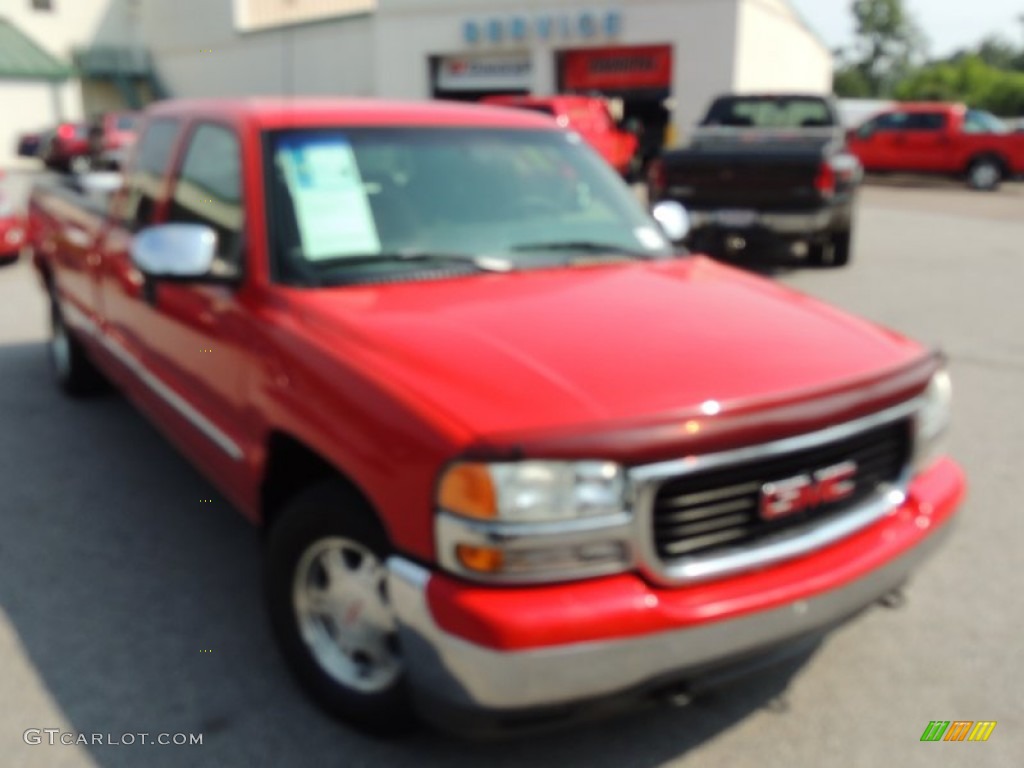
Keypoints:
pixel 783 223
pixel 446 670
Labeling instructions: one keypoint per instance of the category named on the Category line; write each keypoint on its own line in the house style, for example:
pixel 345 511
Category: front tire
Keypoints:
pixel 326 593
pixel 72 370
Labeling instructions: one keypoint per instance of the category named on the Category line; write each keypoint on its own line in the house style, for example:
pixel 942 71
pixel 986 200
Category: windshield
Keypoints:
pixel 770 112
pixel 977 121
pixel 338 198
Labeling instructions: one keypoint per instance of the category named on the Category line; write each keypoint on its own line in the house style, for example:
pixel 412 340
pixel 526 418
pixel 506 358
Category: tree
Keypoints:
pixel 995 51
pixel 850 83
pixel 969 79
pixel 889 44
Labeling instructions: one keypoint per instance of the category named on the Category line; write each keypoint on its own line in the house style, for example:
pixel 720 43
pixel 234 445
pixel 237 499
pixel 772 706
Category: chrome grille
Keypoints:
pixel 699 514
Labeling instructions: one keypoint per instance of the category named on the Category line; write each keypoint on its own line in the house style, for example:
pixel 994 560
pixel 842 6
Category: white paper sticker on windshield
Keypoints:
pixel 650 238
pixel 331 206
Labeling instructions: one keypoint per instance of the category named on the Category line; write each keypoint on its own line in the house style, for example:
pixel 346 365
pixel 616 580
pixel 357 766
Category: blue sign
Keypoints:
pixel 545 27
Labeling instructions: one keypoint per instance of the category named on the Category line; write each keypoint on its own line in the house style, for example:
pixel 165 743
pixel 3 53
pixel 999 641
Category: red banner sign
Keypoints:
pixel 618 68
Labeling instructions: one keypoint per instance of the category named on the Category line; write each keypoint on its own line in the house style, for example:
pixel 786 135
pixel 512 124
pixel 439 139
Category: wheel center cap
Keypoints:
pixel 352 613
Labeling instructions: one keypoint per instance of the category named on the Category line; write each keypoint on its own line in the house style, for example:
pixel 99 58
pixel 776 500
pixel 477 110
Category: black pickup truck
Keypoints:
pixel 765 175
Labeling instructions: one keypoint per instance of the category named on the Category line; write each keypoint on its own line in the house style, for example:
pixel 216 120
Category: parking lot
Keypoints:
pixel 129 605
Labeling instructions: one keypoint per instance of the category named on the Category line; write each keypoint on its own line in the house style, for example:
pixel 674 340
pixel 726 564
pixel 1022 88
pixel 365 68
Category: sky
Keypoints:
pixel 948 24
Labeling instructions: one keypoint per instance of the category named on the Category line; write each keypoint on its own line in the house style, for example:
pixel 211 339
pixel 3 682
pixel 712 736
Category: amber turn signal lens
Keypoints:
pixel 481 559
pixel 467 489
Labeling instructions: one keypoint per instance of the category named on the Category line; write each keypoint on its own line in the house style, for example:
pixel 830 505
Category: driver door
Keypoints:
pixel 201 326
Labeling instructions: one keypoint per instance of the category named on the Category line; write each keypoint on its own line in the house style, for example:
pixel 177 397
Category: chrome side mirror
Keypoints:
pixel 175 251
pixel 673 219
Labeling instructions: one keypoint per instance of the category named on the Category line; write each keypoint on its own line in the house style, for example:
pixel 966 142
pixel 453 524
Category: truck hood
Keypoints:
pixel 553 348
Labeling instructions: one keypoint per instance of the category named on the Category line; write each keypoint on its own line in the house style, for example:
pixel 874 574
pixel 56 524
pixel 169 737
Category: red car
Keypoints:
pixel 110 137
pixel 946 139
pixel 12 228
pixel 66 147
pixel 514 456
pixel 587 116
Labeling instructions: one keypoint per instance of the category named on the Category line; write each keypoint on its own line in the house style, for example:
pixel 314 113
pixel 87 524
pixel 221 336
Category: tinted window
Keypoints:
pixel 925 121
pixel 208 189
pixel 145 182
pixel 891 121
pixel 770 112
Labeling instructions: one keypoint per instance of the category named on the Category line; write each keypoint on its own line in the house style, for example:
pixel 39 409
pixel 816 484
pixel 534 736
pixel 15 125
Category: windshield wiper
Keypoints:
pixel 583 246
pixel 482 263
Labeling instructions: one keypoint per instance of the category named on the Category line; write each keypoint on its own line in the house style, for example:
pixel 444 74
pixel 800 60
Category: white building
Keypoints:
pixel 663 59
pixel 64 60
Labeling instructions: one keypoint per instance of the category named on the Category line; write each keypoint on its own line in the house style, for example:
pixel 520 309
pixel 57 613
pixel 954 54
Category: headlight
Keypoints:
pixel 532 491
pixel 533 521
pixel 932 419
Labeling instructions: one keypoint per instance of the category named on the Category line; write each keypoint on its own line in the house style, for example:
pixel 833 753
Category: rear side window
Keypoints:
pixel 208 189
pixel 147 177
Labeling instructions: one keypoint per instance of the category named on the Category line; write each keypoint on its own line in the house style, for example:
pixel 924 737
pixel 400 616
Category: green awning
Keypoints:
pixel 22 59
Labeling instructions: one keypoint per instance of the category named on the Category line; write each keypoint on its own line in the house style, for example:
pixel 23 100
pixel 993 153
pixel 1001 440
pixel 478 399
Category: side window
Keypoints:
pixel 208 189
pixel 868 128
pixel 893 121
pixel 147 174
pixel 926 121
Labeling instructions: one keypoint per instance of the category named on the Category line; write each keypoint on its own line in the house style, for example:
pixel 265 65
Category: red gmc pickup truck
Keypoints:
pixel 515 458
pixel 947 139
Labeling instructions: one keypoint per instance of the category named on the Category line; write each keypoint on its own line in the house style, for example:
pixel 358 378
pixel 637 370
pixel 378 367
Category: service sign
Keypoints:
pixel 544 27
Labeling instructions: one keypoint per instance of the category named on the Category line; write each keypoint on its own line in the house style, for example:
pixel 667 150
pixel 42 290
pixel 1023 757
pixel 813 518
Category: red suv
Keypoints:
pixel 110 136
pixel 12 228
pixel 934 138
pixel 66 147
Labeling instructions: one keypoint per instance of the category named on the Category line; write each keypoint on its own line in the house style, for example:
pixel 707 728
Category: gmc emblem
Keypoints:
pixel 797 494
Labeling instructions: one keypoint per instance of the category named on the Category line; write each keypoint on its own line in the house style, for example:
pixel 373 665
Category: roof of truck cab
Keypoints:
pixel 556 99
pixel 271 113
pixel 926 106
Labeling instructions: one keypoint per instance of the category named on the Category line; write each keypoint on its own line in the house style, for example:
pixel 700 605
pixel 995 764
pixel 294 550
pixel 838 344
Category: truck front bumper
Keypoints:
pixel 767 234
pixel 779 223
pixel 479 657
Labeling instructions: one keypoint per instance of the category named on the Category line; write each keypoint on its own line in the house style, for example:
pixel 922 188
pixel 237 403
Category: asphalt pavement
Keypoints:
pixel 129 605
